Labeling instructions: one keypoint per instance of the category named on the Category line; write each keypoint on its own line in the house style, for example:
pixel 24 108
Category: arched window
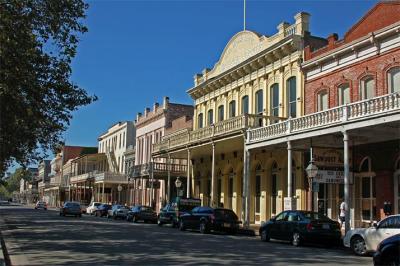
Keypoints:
pixel 259 101
pixel 275 99
pixel 220 113
pixel 367 88
pixel 365 165
pixel 200 120
pixel 367 184
pixel 291 97
pixel 394 80
pixel 210 117
pixel 245 105
pixel 232 109
pixel 343 94
pixel 322 100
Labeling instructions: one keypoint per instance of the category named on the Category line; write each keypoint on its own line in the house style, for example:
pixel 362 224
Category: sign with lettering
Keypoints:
pixel 331 177
pixel 329 157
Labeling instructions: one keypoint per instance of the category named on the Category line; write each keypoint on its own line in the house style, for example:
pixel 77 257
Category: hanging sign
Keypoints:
pixel 331 177
pixel 329 157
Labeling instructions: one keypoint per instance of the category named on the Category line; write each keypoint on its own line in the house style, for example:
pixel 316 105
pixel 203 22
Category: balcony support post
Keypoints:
pixel 346 180
pixel 289 174
pixel 169 178
pixel 102 195
pixel 188 174
pixel 246 188
pixel 213 180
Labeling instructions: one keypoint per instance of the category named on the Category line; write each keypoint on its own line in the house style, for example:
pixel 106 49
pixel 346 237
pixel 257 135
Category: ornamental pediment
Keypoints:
pixel 241 47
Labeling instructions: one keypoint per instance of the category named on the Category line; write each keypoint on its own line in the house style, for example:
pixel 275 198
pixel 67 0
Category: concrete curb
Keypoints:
pixel 4 256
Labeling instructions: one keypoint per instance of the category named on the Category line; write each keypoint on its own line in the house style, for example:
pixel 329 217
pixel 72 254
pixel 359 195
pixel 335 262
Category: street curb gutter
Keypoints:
pixel 7 261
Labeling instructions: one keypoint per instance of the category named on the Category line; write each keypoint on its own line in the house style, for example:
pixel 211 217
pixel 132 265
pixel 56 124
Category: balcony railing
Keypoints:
pixel 80 178
pixel 110 177
pixel 342 114
pixel 158 168
pixel 220 129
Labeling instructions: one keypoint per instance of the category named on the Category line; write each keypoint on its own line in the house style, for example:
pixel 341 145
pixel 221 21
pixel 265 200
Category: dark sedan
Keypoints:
pixel 71 208
pixel 142 213
pixel 388 251
pixel 102 210
pixel 206 219
pixel 301 226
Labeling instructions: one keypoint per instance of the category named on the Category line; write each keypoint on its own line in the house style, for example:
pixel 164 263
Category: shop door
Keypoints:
pixel 274 194
pixel 323 198
pixel 258 199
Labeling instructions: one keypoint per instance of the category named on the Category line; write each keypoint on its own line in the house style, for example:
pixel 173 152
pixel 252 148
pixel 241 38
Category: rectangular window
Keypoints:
pixel 367 88
pixel 394 80
pixel 322 101
pixel 344 94
pixel 245 105
pixel 259 102
pixel 291 88
pixel 210 117
pixel 220 113
pixel 232 109
pixel 200 121
pixel 275 100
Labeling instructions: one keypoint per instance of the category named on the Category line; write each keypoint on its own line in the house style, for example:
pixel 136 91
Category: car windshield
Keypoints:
pixel 72 204
pixel 225 214
pixel 97 204
pixel 315 216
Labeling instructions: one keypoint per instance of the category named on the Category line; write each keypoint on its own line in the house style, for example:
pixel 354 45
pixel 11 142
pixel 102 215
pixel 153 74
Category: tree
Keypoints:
pixel 38 40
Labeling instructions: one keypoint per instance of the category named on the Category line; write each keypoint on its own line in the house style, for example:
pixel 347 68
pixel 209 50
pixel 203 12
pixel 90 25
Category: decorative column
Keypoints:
pixel 188 175
pixel 213 179
pixel 346 180
pixel 289 173
pixel 169 178
pixel 246 187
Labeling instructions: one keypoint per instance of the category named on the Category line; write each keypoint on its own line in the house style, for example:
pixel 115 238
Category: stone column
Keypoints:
pixel 289 172
pixel 188 175
pixel 169 178
pixel 213 179
pixel 246 187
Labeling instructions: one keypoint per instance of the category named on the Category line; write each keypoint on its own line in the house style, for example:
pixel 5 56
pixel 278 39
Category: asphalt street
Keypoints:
pixel 37 237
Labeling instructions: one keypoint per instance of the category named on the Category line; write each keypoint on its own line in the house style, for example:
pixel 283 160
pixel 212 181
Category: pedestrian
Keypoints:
pixel 342 216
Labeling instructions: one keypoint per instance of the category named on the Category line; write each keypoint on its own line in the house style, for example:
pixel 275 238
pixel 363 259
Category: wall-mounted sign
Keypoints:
pixel 329 157
pixel 331 177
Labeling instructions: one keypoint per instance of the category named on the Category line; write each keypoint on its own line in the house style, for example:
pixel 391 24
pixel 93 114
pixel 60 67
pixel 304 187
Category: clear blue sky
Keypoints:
pixel 138 51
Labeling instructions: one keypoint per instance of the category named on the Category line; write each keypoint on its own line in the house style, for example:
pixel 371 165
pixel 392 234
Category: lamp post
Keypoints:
pixel 119 193
pixel 178 184
pixel 312 171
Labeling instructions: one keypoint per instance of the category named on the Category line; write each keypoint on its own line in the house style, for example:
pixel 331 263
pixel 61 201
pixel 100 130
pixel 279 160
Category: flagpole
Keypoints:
pixel 244 14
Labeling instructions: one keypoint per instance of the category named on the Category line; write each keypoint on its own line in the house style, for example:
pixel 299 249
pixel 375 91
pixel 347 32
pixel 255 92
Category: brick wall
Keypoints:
pixel 376 66
pixel 184 122
pixel 176 111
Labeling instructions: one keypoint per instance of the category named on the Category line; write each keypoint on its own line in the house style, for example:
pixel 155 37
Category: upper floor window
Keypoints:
pixel 367 88
pixel 291 97
pixel 322 101
pixel 394 80
pixel 343 94
pixel 245 105
pixel 275 99
pixel 200 120
pixel 210 118
pixel 232 109
pixel 259 101
pixel 220 113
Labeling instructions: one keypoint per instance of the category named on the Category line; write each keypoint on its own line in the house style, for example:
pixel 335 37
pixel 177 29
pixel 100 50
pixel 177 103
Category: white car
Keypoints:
pixel 92 208
pixel 365 240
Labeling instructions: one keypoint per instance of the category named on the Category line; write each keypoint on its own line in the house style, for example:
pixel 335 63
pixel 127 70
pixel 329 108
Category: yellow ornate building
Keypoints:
pixel 256 82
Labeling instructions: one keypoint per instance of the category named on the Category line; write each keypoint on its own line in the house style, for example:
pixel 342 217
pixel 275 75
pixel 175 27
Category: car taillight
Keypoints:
pixel 309 227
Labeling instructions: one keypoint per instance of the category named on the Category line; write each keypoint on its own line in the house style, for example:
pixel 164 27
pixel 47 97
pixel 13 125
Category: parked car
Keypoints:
pixel 171 212
pixel 365 240
pixel 71 208
pixel 301 226
pixel 206 219
pixel 388 251
pixel 41 205
pixel 91 209
pixel 102 210
pixel 117 211
pixel 141 213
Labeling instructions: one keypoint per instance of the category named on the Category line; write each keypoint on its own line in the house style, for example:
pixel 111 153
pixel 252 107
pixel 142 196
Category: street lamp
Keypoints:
pixel 119 193
pixel 178 184
pixel 312 171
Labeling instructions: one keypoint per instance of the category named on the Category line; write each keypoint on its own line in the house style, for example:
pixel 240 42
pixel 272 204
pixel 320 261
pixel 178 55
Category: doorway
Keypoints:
pixel 274 189
pixel 258 195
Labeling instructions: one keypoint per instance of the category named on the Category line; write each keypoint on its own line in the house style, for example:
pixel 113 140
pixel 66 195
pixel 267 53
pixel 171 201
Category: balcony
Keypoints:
pixel 80 178
pixel 159 169
pixel 338 116
pixel 55 181
pixel 110 177
pixel 221 129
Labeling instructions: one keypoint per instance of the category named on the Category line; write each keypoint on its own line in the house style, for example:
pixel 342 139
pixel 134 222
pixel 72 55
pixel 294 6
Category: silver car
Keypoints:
pixel 118 211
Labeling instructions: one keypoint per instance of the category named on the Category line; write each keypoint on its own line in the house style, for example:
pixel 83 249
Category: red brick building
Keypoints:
pixel 359 77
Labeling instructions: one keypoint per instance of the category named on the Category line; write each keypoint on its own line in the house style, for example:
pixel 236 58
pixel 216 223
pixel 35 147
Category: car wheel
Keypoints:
pixel 264 235
pixel 203 227
pixel 296 239
pixel 114 217
pixel 60 214
pixel 80 215
pixel 134 219
pixel 357 244
pixel 181 225
pixel 159 223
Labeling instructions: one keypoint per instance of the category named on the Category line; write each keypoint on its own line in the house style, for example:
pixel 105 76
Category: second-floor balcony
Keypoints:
pixel 226 128
pixel 110 177
pixel 387 106
pixel 80 178
pixel 158 169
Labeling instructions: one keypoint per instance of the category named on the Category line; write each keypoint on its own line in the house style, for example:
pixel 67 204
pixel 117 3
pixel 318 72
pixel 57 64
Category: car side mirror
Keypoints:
pixel 375 224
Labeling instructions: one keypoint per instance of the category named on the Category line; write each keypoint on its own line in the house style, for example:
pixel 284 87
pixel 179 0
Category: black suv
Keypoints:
pixel 171 212
pixel 141 213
